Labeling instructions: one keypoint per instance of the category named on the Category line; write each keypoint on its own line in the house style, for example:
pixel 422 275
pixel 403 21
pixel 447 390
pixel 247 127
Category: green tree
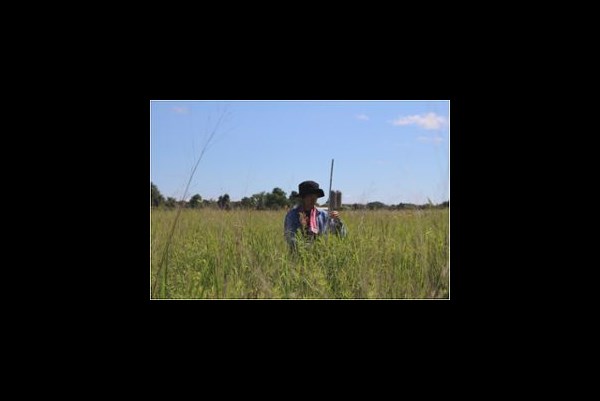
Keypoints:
pixel 358 206
pixel 260 200
pixel 195 201
pixel 155 196
pixel 375 205
pixel 277 199
pixel 224 202
pixel 171 202
pixel 293 198
pixel 248 203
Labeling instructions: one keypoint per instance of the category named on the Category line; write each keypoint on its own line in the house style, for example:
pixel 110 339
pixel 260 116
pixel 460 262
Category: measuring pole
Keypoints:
pixel 330 180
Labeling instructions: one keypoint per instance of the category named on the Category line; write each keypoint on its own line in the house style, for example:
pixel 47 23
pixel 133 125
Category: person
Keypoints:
pixel 308 220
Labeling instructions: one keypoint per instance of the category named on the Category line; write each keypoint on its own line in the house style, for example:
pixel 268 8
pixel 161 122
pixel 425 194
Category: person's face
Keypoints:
pixel 309 201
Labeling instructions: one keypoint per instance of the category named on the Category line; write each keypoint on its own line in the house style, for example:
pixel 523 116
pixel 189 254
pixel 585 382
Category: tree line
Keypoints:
pixel 275 200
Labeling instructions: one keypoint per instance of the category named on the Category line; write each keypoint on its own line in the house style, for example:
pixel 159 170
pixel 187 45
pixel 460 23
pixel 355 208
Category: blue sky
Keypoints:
pixel 388 151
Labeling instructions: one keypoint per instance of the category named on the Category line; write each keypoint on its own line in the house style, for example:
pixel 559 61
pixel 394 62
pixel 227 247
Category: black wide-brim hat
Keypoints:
pixel 310 188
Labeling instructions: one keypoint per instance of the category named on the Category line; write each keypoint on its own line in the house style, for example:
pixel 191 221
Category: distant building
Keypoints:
pixel 335 200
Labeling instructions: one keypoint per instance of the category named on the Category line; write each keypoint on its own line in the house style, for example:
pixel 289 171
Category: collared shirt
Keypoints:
pixel 324 222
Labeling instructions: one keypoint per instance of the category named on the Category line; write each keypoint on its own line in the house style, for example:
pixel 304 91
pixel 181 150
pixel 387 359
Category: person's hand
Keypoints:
pixel 334 215
pixel 303 221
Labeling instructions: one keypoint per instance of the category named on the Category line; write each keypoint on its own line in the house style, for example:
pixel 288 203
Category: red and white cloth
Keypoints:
pixel 313 226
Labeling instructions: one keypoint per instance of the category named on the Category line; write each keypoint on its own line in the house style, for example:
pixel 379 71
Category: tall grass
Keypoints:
pixel 242 254
pixel 164 259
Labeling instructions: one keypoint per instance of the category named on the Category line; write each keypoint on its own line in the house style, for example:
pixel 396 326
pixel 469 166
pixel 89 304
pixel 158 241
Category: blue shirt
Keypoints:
pixel 324 222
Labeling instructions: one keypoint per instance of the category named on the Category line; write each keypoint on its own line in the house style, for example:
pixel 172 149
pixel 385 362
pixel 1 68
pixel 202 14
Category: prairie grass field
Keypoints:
pixel 242 254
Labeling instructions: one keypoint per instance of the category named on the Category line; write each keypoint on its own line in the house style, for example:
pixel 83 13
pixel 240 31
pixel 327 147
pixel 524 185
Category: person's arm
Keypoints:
pixel 289 229
pixel 335 224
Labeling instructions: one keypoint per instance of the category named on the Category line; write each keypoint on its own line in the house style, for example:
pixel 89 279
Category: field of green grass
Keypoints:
pixel 218 254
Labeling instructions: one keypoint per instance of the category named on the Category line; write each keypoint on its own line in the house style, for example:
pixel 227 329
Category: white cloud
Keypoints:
pixel 180 110
pixel 426 139
pixel 427 121
pixel 362 117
